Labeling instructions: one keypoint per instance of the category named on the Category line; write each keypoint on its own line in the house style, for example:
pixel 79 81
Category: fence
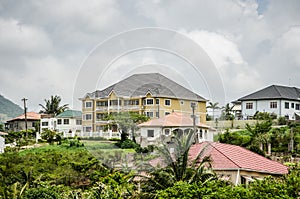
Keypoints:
pixel 105 134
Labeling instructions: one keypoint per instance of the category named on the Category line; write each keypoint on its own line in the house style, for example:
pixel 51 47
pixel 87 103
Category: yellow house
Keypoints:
pixel 151 94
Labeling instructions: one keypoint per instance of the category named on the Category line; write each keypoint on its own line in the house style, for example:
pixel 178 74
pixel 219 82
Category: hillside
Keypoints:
pixel 8 109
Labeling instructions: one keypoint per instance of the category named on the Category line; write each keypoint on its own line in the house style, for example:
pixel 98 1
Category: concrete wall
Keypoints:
pixel 228 124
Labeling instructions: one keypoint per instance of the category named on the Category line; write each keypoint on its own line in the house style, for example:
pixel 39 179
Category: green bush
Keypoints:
pixel 37 193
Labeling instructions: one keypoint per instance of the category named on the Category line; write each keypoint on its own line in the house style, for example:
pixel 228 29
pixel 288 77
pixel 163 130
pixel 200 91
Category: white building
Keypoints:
pixel 69 123
pixel 2 142
pixel 281 100
pixel 156 131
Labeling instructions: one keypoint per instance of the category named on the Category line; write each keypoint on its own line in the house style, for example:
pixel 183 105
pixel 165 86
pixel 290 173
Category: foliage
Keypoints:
pixel 49 135
pixel 37 193
pixel 282 121
pixel 226 112
pixel 177 167
pixel 213 106
pixel 239 138
pixel 264 116
pixel 52 106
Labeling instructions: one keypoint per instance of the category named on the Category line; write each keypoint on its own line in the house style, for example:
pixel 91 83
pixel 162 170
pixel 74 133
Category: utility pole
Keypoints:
pixel 25 113
pixel 193 105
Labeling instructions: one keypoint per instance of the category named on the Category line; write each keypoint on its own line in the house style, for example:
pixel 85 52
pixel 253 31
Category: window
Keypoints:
pixel 157 114
pixel 193 104
pixel 44 123
pixel 100 116
pixel 292 105
pixel 167 131
pixel 297 106
pixel 102 103
pixel 167 102
pixel 273 104
pixel 88 104
pixel 181 102
pixel 149 114
pixel 156 101
pixel 249 105
pixel 59 121
pixel 131 102
pixel 201 134
pixel 115 102
pixel 150 133
pixel 88 116
pixel 286 105
pixel 149 101
pixel 78 122
pixel 66 121
pixel 87 129
pixel 167 113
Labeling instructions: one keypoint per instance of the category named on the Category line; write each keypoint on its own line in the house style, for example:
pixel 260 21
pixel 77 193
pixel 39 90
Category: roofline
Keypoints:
pixel 268 98
pixel 244 169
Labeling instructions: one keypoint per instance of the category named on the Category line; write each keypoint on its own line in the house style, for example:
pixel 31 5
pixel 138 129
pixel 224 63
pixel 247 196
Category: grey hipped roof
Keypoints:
pixel 274 92
pixel 139 85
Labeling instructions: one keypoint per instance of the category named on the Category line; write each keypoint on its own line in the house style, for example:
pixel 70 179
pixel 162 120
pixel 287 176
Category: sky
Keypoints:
pixel 222 50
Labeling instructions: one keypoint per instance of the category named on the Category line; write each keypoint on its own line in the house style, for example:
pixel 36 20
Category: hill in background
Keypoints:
pixel 8 109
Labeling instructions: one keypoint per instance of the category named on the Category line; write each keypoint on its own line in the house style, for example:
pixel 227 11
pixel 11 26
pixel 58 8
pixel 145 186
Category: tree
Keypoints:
pixel 49 135
pixel 213 106
pixel 52 106
pixel 178 167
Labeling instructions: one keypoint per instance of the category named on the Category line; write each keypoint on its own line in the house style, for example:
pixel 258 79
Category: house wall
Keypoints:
pixel 65 128
pixel 236 176
pixel 19 125
pixel 161 136
pixel 264 106
pixel 177 105
pixel 2 144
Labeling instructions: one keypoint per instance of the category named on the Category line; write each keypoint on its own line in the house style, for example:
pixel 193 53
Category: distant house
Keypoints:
pixel 237 164
pixel 68 122
pixel 2 142
pixel 154 131
pixel 18 123
pixel 281 100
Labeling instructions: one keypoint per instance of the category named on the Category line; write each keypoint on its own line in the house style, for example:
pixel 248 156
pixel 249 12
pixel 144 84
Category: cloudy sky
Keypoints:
pixel 71 47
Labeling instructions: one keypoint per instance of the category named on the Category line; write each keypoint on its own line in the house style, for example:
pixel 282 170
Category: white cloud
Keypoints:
pixel 16 37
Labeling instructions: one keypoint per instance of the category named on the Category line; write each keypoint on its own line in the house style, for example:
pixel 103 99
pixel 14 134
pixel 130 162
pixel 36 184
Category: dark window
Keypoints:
pixel 44 123
pixel 150 133
pixel 88 104
pixel 66 121
pixel 102 103
pixel 167 113
pixel 149 114
pixel 297 106
pixel 273 104
pixel 292 105
pixel 286 105
pixel 149 101
pixel 156 101
pixel 249 105
pixel 115 102
pixel 78 122
pixel 167 131
pixel 88 117
pixel 59 121
pixel 168 102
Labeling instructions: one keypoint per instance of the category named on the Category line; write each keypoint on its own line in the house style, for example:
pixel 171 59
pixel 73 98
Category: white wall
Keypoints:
pixel 2 144
pixel 264 106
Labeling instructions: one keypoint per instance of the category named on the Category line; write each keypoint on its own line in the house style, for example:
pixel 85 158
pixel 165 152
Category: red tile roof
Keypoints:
pixel 30 116
pixel 231 157
pixel 174 119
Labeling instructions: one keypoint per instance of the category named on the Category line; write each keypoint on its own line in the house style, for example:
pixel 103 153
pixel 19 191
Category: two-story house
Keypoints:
pixel 281 100
pixel 68 122
pixel 151 94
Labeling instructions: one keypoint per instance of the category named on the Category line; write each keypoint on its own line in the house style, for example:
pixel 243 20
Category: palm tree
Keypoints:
pixel 213 106
pixel 52 106
pixel 178 166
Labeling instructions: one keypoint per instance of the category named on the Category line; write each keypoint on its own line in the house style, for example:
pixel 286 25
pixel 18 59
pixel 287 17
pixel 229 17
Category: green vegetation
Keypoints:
pixel 72 171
